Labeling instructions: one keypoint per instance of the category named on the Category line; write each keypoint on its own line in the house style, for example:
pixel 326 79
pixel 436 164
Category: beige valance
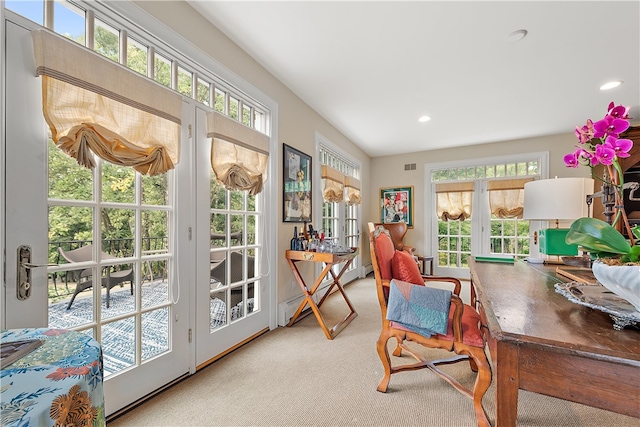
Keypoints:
pixel 453 200
pixel 352 190
pixel 239 154
pixel 333 184
pixel 93 104
pixel 506 197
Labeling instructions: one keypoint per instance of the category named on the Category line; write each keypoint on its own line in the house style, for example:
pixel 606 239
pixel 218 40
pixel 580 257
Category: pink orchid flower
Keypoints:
pixel 571 160
pixel 620 146
pixel 604 154
pixel 610 126
pixel 618 111
pixel 585 133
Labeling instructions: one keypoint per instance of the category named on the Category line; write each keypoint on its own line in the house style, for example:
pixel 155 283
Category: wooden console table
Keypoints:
pixel 329 260
pixel 542 342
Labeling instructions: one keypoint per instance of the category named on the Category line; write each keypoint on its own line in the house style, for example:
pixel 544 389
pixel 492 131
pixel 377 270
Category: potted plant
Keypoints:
pixel 616 265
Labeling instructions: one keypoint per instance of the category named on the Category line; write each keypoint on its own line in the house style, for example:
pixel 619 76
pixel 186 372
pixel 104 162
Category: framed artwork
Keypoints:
pixel 396 205
pixel 296 185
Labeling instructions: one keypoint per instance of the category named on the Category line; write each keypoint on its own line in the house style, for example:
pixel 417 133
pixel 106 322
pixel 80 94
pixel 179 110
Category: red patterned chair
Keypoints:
pixel 463 337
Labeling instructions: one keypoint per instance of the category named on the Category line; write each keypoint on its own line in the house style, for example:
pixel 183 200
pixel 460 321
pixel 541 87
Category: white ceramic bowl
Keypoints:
pixel 622 280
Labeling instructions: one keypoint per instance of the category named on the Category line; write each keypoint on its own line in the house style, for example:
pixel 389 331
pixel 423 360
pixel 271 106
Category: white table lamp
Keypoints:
pixel 557 199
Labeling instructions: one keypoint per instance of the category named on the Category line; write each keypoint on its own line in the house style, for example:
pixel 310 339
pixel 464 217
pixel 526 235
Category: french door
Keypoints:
pixel 232 299
pixel 134 231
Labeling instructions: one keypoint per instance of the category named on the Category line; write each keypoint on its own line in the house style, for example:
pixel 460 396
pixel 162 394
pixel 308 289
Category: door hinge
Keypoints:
pixel 189 131
pixel 190 233
pixel 190 334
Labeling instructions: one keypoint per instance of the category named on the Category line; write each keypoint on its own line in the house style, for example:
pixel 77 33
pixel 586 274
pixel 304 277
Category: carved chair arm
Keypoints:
pixel 457 318
pixel 456 282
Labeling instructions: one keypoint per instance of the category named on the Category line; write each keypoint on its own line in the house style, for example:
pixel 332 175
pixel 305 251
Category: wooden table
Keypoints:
pixel 329 260
pixel 541 342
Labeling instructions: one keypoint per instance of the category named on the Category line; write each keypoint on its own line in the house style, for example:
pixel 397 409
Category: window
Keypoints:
pixel 481 231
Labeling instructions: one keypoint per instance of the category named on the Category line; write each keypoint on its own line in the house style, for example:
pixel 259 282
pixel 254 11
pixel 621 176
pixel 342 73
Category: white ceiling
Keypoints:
pixel 372 68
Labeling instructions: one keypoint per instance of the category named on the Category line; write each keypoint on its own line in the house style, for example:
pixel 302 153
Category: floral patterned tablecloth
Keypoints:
pixel 57 384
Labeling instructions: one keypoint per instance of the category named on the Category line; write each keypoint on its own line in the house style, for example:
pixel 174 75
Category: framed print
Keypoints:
pixel 297 185
pixel 396 205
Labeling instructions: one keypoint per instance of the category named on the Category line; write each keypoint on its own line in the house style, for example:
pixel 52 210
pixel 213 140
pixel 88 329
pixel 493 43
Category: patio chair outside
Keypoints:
pixel 84 279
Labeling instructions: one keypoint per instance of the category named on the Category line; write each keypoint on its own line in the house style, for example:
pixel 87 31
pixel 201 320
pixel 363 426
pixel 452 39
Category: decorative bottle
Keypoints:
pixel 294 241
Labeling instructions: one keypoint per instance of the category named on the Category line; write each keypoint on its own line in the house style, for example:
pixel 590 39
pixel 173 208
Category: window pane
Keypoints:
pixel 218 307
pixel 522 169
pixel 218 195
pixel 203 92
pixel 155 333
pixel 252 220
pixel 246 115
pixel 155 228
pixel 118 183
pixel 220 101
pixel 68 21
pixel 259 121
pixel 218 230
pixel 137 56
pixel 118 227
pixel 162 70
pixel 119 349
pixel 237 227
pixel 107 41
pixel 234 106
pixel 67 179
pixel 185 81
pixel 69 226
pixel 33 10
pixel 237 200
pixel 155 190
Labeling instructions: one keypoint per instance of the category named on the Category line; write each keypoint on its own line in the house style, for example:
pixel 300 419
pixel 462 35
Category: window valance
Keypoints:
pixel 506 197
pixel 352 190
pixel 333 184
pixel 93 104
pixel 239 154
pixel 453 200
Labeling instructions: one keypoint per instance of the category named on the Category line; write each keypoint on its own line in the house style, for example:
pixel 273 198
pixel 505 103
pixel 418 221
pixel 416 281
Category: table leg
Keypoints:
pixel 507 384
pixel 330 333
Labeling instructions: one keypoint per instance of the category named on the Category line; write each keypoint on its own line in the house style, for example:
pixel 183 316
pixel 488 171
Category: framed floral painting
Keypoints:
pixel 396 205
pixel 297 185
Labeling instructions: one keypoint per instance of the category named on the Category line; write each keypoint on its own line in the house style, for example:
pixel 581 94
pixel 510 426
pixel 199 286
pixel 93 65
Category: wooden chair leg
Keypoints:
pixel 398 350
pixel 383 353
pixel 473 365
pixel 480 387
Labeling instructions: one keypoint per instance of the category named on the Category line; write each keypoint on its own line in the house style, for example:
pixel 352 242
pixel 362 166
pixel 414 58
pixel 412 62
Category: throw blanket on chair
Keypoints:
pixel 419 308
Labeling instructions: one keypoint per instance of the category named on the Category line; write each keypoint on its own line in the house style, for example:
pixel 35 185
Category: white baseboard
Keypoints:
pixel 287 309
pixel 366 269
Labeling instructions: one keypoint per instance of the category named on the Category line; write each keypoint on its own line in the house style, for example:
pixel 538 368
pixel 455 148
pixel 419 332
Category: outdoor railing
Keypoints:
pixel 119 248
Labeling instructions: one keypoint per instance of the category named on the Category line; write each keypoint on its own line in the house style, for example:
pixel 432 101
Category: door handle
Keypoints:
pixel 23 277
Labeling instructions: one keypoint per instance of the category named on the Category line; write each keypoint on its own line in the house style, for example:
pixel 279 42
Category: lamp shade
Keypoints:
pixel 557 199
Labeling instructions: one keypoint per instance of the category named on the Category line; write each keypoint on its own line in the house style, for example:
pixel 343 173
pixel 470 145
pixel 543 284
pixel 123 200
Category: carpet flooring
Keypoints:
pixel 294 376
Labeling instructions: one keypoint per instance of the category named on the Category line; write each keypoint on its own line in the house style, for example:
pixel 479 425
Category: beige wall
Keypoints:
pixel 297 122
pixel 389 171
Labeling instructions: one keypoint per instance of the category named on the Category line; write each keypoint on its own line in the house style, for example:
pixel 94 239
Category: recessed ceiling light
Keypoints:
pixel 424 119
pixel 518 35
pixel 610 85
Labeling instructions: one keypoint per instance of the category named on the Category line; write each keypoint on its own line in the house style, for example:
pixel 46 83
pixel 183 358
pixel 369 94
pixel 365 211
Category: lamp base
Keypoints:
pixel 552 242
